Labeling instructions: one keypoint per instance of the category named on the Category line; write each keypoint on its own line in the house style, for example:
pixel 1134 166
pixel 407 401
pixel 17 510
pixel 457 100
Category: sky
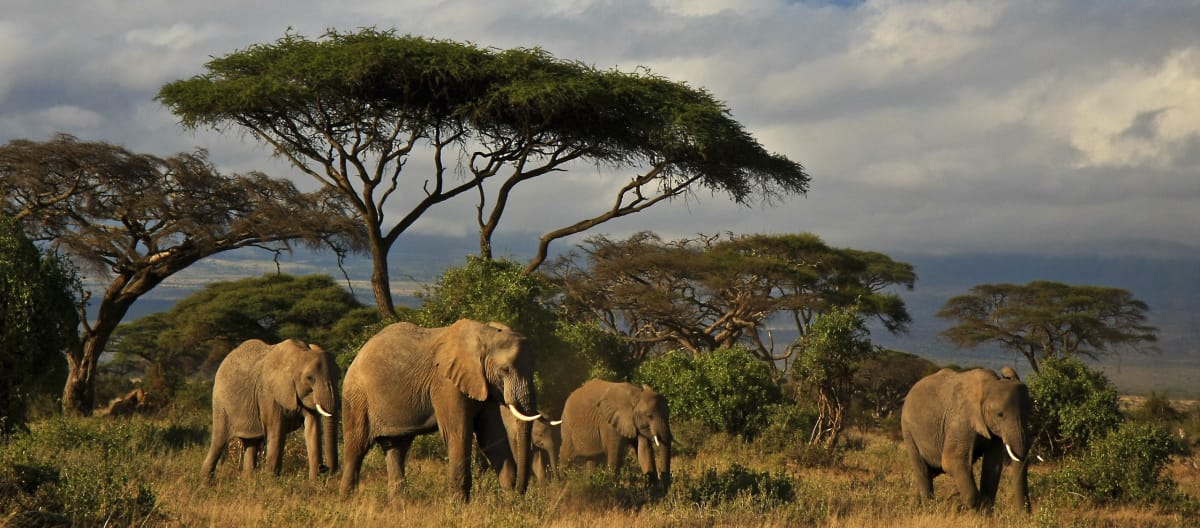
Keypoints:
pixel 929 127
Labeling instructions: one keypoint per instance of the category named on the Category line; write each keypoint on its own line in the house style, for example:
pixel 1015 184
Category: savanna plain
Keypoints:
pixel 143 470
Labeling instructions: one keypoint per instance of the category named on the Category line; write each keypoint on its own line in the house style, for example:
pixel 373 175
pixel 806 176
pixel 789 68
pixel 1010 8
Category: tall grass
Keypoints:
pixel 143 471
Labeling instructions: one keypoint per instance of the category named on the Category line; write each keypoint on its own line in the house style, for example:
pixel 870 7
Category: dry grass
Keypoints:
pixel 868 487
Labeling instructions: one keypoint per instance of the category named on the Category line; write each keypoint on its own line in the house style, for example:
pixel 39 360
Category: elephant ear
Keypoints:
pixel 977 406
pixel 616 405
pixel 459 355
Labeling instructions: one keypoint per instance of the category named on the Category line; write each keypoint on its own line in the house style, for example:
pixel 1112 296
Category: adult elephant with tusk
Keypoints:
pixel 408 380
pixel 262 392
pixel 601 418
pixel 951 419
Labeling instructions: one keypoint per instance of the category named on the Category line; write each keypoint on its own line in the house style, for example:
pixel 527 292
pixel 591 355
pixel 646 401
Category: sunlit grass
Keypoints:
pixel 865 484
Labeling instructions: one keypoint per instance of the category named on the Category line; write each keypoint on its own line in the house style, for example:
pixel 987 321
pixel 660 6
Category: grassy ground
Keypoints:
pixel 145 472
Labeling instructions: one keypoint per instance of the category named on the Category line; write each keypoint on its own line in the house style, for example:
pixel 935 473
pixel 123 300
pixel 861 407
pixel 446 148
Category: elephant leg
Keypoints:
pixel 250 447
pixel 989 477
pixel 220 442
pixel 614 450
pixel 395 453
pixel 566 451
pixel 958 466
pixel 539 461
pixel 312 445
pixel 922 474
pixel 493 440
pixel 458 447
pixel 355 441
pixel 275 438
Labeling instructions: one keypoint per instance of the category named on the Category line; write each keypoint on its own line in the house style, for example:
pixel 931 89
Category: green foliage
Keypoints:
pixel 716 487
pixel 196 333
pixel 38 322
pixel 489 290
pixel 1075 405
pixel 727 389
pixel 1125 465
pixel 80 472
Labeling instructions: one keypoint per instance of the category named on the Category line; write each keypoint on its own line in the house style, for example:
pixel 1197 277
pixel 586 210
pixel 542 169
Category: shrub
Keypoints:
pixel 78 472
pixel 1075 405
pixel 1124 466
pixel 714 487
pixel 727 389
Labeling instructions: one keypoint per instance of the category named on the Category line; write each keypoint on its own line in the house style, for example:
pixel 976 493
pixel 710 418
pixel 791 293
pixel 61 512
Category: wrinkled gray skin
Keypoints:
pixel 409 380
pixel 545 441
pixel 601 418
pixel 262 392
pixel 951 419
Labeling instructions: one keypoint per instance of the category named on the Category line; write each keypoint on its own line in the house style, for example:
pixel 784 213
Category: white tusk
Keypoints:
pixel 1010 453
pixel 555 422
pixel 323 411
pixel 523 417
pixel 656 444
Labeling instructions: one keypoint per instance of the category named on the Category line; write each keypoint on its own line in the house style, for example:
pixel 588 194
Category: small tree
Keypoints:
pixel 826 362
pixel 38 322
pixel 1075 405
pixel 727 389
pixel 1046 319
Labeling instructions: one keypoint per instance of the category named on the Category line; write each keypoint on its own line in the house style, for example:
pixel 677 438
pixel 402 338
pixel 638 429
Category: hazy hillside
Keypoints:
pixel 1170 286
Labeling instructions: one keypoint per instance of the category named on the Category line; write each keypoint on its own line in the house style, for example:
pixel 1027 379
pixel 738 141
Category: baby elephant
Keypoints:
pixel 951 419
pixel 601 418
pixel 262 392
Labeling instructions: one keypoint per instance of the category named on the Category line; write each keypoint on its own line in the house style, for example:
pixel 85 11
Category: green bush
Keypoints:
pixel 80 472
pixel 728 390
pixel 788 424
pixel 1124 466
pixel 715 487
pixel 1075 405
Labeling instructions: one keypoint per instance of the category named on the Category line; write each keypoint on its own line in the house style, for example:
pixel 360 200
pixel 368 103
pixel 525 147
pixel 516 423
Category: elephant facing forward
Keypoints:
pixel 951 419
pixel 545 442
pixel 601 418
pixel 262 392
pixel 408 380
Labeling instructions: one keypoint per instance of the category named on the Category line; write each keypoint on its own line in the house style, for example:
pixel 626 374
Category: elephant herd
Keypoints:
pixel 473 383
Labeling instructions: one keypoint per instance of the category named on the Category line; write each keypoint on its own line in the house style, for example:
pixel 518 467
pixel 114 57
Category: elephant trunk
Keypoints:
pixel 662 462
pixel 519 396
pixel 329 429
pixel 521 455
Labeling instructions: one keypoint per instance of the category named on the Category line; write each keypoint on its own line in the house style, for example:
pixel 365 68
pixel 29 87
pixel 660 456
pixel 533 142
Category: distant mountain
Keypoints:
pixel 1171 287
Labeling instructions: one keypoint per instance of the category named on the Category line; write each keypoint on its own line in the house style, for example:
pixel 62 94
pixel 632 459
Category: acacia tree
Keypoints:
pixel 38 320
pixel 138 219
pixel 1045 319
pixel 712 292
pixel 353 110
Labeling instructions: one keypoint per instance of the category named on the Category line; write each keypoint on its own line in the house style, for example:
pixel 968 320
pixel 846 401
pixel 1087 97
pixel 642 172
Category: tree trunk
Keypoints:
pixel 381 283
pixel 79 394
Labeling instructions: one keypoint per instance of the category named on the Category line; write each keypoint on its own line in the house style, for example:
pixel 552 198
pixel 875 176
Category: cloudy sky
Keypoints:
pixel 928 126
